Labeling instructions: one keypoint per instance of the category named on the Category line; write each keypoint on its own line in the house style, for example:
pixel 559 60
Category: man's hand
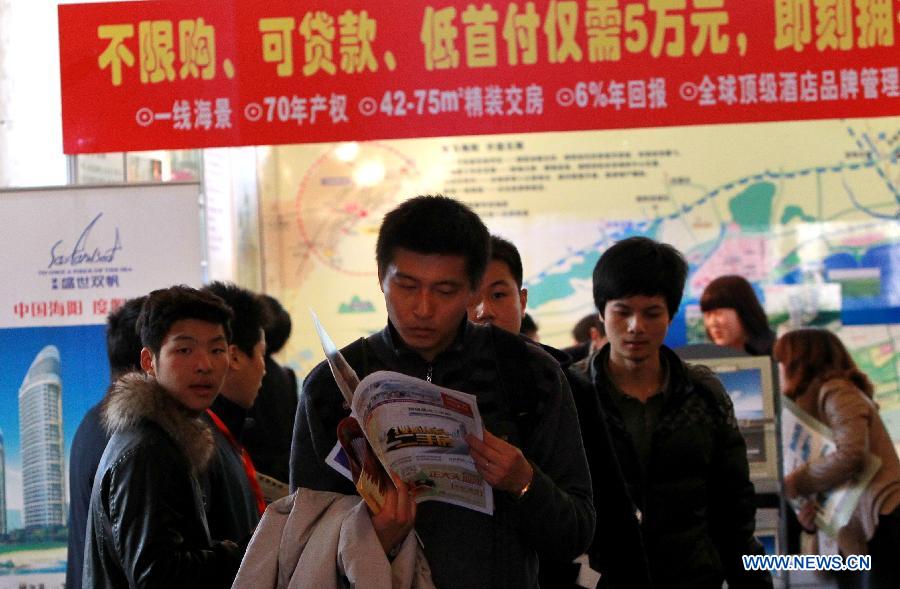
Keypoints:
pixel 501 464
pixel 398 516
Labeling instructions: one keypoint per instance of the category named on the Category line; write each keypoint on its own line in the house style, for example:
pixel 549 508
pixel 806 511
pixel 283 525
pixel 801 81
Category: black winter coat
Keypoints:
pixel 696 504
pixel 231 508
pixel 87 449
pixel 464 548
pixel 270 428
pixel 617 550
pixel 147 526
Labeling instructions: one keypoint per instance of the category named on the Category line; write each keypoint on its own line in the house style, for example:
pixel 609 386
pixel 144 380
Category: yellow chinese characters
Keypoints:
pixel 833 24
pixel 318 31
pixel 560 26
pixel 603 23
pixel 197 49
pixel 357 34
pixel 489 34
pixel 277 45
pixel 792 24
pixel 481 36
pixel 116 53
pixel 709 20
pixel 156 51
pixel 439 38
pixel 668 21
pixel 156 42
pixel 520 33
pixel 876 23
pixel 667 28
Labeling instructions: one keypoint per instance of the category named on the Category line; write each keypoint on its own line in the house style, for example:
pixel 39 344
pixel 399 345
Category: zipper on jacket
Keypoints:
pixel 429 371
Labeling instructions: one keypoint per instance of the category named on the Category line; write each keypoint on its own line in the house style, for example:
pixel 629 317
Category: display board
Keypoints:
pixel 802 208
pixel 71 255
pixel 748 382
pixel 209 73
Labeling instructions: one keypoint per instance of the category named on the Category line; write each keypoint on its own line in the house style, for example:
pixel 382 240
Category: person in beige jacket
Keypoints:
pixel 820 376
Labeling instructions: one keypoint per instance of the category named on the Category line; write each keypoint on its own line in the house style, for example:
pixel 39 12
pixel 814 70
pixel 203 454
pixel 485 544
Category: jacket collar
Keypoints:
pixel 390 338
pixel 677 384
pixel 136 397
pixel 231 414
pixel 561 356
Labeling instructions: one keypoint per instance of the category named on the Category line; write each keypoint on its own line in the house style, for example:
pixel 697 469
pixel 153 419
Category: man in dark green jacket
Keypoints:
pixel 673 427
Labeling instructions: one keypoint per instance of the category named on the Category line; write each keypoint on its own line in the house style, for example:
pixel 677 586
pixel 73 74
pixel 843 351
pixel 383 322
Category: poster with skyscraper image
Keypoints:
pixel 70 256
pixel 51 376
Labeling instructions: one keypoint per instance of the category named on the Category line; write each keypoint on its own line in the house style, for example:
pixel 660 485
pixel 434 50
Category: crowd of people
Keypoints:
pixel 613 463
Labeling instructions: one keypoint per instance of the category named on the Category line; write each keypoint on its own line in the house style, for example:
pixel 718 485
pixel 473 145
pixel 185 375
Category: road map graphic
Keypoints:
pixel 809 212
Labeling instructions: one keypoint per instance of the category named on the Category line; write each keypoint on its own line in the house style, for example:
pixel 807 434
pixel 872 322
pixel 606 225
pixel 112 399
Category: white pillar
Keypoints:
pixel 30 110
pixel 5 83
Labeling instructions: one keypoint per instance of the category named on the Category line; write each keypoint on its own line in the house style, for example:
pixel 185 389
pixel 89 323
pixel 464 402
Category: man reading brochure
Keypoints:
pixel 432 253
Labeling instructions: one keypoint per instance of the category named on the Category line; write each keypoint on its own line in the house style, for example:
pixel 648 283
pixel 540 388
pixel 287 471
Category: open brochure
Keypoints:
pixel 805 439
pixel 409 427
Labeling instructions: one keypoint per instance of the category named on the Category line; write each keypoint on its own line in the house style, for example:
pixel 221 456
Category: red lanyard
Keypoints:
pixel 249 469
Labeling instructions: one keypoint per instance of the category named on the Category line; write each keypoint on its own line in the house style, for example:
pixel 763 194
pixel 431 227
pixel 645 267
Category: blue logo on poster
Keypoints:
pixel 84 252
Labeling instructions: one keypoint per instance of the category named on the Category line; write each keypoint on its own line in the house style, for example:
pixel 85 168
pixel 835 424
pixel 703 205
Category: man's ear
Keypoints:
pixel 523 298
pixel 234 357
pixel 147 361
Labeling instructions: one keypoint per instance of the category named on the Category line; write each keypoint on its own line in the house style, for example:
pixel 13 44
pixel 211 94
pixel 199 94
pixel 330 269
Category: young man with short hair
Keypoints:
pixel 431 254
pixel 234 499
pixel 501 300
pixel 616 551
pixel 673 427
pixel 271 420
pixel 147 526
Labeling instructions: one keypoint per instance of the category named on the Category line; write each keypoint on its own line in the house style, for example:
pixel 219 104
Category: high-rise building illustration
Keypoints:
pixel 3 526
pixel 41 436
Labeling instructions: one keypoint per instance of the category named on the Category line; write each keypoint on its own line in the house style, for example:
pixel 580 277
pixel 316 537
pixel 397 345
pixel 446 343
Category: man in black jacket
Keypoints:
pixel 616 551
pixel 123 348
pixel 672 426
pixel 234 501
pixel 147 526
pixel 271 420
pixel 431 254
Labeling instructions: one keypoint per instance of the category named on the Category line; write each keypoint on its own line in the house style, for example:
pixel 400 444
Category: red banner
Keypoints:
pixel 151 75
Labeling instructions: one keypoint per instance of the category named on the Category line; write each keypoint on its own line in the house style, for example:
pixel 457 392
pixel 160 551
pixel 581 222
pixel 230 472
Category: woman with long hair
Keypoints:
pixel 820 376
pixel 733 316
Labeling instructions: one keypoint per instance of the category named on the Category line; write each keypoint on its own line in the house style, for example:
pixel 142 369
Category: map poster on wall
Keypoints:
pixel 209 73
pixel 812 203
pixel 70 256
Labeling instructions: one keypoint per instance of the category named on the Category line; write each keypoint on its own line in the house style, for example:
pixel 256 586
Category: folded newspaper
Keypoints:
pixel 408 427
pixel 805 439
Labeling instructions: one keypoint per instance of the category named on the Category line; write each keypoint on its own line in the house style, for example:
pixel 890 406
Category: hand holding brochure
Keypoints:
pixel 417 430
pixel 805 439
pixel 407 426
